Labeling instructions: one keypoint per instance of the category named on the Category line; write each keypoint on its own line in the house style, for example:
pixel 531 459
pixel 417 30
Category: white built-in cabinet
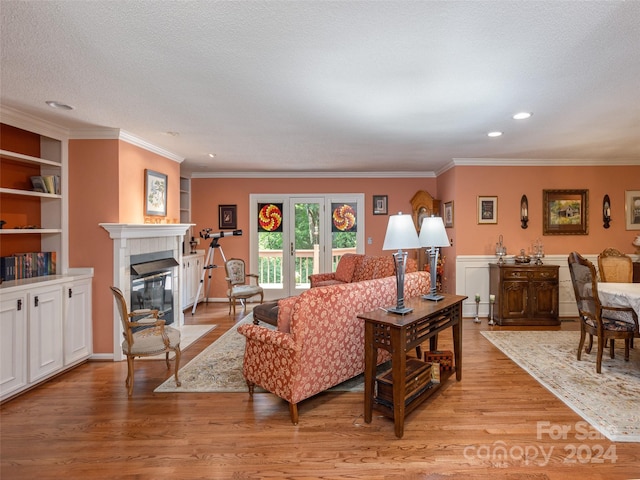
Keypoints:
pixel 44 329
pixel 45 321
pixel 192 269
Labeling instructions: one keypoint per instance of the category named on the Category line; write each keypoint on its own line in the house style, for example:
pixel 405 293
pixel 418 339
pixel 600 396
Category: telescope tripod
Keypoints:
pixel 208 265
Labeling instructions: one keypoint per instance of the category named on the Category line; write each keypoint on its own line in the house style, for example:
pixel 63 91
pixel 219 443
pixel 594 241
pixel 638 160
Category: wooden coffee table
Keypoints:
pixel 399 334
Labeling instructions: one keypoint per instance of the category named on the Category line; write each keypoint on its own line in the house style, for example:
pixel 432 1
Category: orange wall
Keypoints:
pixel 19 211
pixel 208 193
pixel 106 185
pixel 465 183
pixel 133 162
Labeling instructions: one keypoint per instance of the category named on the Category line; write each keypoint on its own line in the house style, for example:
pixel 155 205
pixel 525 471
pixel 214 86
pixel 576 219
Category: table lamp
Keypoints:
pixel 433 236
pixel 401 234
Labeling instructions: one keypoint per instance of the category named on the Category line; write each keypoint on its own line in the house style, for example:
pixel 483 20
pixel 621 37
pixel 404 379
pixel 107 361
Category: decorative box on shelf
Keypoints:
pixel 418 377
pixel 442 357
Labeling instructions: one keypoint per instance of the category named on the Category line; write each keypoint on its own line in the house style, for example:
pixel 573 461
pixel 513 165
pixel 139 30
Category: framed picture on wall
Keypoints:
pixel 487 210
pixel 632 209
pixel 380 205
pixel 227 217
pixel 565 212
pixel 155 197
pixel 448 214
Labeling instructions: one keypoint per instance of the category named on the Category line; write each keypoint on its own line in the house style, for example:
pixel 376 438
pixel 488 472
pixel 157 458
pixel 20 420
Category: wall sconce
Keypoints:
pixel 606 211
pixel 524 211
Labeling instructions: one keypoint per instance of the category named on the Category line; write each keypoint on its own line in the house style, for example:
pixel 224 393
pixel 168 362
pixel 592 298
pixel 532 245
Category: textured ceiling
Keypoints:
pixel 340 86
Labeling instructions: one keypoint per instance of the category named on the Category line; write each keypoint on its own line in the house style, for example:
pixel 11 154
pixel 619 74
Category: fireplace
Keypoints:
pixel 145 250
pixel 152 280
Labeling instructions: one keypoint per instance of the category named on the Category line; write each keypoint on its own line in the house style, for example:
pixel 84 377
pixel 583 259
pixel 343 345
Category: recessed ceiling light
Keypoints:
pixel 212 155
pixel 60 105
pixel 522 115
pixel 494 134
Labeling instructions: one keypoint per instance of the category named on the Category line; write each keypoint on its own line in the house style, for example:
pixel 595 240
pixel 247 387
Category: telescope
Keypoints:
pixel 206 233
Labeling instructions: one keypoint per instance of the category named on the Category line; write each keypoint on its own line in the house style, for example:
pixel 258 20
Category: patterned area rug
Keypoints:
pixel 188 335
pixel 609 401
pixel 218 368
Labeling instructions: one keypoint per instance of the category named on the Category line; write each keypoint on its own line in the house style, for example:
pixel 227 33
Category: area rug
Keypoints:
pixel 188 335
pixel 609 401
pixel 218 368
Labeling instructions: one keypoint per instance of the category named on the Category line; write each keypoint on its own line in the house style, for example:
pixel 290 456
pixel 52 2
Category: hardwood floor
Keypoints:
pixel 82 425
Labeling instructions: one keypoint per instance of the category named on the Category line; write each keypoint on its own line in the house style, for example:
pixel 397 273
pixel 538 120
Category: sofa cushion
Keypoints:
pixel 346 266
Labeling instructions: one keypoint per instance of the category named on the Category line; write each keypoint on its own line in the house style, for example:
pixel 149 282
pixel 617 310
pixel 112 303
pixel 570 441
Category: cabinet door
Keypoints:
pixel 45 332
pixel 514 300
pixel 545 299
pixel 78 339
pixel 13 343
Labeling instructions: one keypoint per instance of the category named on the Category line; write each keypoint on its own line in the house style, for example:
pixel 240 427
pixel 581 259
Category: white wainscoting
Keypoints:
pixel 472 276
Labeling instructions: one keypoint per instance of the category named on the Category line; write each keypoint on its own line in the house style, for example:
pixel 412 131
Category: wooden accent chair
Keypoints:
pixel 240 285
pixel 615 266
pixel 605 322
pixel 144 342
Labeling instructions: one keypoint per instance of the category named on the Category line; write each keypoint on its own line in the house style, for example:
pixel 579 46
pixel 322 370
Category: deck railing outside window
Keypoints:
pixel 270 264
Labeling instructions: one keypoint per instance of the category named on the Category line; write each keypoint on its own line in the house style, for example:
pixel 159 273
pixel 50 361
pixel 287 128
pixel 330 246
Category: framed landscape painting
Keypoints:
pixel 565 212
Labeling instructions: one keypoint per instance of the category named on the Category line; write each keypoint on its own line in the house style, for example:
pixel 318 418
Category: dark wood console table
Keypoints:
pixel 526 294
pixel 399 334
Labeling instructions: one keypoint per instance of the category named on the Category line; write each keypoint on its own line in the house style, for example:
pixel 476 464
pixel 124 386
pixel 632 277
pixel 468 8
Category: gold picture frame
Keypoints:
pixel 632 209
pixel 447 214
pixel 565 212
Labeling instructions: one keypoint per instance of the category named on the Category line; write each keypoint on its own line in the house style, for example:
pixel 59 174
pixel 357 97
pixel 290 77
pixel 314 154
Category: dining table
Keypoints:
pixel 620 295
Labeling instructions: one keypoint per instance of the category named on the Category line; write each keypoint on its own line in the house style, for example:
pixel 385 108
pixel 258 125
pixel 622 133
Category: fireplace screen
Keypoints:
pixel 153 290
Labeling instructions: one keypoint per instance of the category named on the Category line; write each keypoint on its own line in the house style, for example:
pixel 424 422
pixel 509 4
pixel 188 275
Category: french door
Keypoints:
pixel 294 236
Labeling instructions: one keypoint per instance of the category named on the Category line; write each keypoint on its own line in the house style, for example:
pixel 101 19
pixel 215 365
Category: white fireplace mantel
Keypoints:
pixel 145 230
pixel 136 238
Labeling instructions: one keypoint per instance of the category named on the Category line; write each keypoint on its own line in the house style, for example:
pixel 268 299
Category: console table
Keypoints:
pixel 399 334
pixel 525 294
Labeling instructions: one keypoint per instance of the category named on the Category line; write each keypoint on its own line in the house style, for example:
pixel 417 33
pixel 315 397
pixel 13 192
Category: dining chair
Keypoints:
pixel 605 322
pixel 615 266
pixel 145 337
pixel 240 285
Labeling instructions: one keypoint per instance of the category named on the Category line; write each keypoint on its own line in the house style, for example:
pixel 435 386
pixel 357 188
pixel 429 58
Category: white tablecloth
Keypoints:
pixel 620 295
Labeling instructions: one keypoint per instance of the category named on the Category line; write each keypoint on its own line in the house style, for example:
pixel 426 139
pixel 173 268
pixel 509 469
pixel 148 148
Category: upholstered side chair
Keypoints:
pixel 615 266
pixel 240 285
pixel 145 337
pixel 605 322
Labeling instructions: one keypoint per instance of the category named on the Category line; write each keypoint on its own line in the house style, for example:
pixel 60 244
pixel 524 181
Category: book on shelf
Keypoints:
pixel 27 265
pixel 46 183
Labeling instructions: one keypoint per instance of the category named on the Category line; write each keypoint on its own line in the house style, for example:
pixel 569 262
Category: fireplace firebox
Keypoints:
pixel 152 280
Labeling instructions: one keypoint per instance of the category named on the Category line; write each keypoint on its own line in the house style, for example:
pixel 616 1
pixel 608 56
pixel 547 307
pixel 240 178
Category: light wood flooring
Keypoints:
pixel 82 425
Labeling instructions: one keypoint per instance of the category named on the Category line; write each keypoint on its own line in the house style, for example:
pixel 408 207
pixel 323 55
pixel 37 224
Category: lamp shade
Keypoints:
pixel 432 233
pixel 401 234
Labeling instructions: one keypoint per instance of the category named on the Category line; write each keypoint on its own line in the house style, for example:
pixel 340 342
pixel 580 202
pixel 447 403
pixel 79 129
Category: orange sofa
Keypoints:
pixel 356 267
pixel 319 341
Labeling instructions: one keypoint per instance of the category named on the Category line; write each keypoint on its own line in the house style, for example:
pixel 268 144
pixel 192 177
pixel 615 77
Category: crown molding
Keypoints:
pixel 118 134
pixel 543 162
pixel 32 123
pixel 285 174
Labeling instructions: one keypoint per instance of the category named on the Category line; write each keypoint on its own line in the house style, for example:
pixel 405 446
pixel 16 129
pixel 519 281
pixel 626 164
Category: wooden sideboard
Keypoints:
pixel 636 272
pixel 525 294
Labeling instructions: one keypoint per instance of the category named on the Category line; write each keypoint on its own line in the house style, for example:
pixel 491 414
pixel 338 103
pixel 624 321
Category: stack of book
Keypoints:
pixel 46 183
pixel 27 265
